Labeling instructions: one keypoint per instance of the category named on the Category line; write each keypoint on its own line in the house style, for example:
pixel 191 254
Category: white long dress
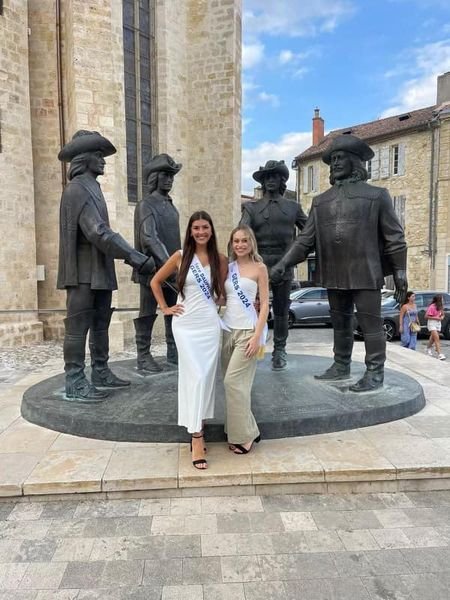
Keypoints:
pixel 197 335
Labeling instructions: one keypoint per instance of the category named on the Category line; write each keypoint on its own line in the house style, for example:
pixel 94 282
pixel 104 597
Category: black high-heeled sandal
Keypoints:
pixel 199 461
pixel 242 449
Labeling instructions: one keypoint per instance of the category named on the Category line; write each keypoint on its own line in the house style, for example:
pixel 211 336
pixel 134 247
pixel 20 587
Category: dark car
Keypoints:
pixel 390 311
pixel 308 305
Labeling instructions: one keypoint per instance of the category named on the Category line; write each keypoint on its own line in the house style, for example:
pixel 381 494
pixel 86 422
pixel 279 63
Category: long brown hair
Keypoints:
pixel 438 302
pixel 189 251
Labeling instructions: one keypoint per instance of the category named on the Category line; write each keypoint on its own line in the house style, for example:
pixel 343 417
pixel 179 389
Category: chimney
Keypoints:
pixel 317 128
pixel 443 89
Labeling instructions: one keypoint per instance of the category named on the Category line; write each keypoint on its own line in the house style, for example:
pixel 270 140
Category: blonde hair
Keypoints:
pixel 253 244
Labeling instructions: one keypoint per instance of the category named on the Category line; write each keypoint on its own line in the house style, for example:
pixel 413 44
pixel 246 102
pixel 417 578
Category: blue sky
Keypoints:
pixel 356 60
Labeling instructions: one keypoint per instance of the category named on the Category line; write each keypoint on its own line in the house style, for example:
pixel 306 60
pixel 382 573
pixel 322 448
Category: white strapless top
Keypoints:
pixel 236 316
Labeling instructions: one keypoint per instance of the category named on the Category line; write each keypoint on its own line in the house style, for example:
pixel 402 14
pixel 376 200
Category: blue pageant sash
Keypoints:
pixel 247 304
pixel 199 274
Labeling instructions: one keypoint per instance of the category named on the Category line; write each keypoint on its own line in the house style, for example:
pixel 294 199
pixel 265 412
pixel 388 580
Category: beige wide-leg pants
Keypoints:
pixel 238 375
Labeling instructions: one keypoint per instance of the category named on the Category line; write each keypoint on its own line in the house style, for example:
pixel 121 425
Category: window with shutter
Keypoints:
pixel 394 159
pixel 384 162
pixel 305 179
pixel 369 169
pixel 400 207
pixel 310 178
pixel 316 179
pixel 401 159
pixel 375 164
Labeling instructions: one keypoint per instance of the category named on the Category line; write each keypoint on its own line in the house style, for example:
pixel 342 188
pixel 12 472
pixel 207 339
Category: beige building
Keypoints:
pixel 151 75
pixel 412 160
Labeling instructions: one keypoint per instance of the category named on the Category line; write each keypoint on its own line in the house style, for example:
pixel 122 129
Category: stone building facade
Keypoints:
pixel 412 160
pixel 65 69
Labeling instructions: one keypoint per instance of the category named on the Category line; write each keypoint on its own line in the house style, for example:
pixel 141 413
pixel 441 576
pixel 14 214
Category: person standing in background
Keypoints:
pixel 435 315
pixel 409 324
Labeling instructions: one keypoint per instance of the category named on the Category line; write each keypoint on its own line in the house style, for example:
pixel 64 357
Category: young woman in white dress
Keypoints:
pixel 196 324
pixel 247 279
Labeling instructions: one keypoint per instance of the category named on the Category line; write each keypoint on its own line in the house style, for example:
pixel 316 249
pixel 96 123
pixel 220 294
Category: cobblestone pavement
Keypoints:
pixel 17 362
pixel 313 547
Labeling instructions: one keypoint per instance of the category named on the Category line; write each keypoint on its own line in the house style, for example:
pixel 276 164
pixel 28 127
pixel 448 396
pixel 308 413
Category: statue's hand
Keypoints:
pixel 401 285
pixel 276 273
pixel 148 267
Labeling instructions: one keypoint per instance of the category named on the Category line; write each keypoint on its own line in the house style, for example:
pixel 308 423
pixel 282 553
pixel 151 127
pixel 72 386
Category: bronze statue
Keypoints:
pixel 87 249
pixel 156 234
pixel 273 219
pixel 358 239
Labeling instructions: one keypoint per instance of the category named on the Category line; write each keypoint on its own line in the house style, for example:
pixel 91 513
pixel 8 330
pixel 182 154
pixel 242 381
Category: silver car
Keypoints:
pixel 308 305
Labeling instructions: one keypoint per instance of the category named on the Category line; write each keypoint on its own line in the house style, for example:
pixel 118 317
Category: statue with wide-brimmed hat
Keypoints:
pixel 156 234
pixel 274 220
pixel 347 142
pixel 357 239
pixel 272 166
pixel 87 249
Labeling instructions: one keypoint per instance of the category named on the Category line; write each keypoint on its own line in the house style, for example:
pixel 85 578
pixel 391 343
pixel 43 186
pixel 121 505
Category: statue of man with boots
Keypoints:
pixel 273 219
pixel 358 240
pixel 156 234
pixel 87 249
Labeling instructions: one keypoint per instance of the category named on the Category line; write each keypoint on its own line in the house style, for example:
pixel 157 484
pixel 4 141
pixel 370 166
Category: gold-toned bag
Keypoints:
pixel 414 326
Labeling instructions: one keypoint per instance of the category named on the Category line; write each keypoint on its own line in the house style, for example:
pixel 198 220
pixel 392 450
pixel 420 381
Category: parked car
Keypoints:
pixel 390 311
pixel 308 305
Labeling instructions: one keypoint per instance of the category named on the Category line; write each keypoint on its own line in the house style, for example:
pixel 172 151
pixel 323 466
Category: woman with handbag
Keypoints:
pixel 435 316
pixel 409 324
pixel 245 339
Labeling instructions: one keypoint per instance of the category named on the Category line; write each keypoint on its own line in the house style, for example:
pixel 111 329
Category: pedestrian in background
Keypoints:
pixel 435 316
pixel 409 324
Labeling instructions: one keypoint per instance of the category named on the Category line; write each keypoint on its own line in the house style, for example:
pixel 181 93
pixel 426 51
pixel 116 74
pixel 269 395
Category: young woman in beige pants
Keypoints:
pixel 247 279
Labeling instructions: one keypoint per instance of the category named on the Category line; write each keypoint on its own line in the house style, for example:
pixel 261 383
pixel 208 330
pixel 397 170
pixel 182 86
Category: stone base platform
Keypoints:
pixel 403 455
pixel 286 404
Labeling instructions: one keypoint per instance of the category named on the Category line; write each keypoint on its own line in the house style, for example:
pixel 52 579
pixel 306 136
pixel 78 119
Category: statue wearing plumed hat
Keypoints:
pixel 358 239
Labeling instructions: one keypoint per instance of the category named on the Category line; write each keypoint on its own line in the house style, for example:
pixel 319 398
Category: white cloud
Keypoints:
pixel 286 148
pixel 252 54
pixel 294 17
pixel 419 90
pixel 271 99
pixel 299 73
pixel 286 56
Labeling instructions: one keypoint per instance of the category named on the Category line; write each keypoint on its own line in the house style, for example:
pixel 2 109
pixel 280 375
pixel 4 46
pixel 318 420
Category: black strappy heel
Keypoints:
pixel 242 449
pixel 199 461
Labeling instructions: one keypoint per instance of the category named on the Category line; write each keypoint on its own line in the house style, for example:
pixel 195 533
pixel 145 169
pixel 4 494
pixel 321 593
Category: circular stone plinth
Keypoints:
pixel 285 404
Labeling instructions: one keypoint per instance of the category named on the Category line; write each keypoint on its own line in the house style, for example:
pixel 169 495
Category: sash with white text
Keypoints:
pixel 199 274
